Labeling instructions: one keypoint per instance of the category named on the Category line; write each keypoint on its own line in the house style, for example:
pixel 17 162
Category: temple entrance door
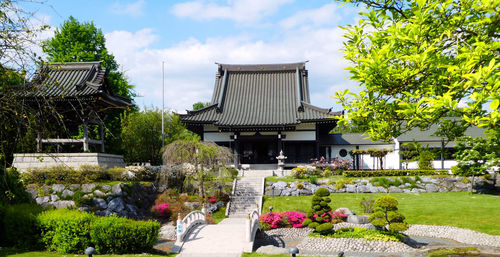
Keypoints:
pixel 258 149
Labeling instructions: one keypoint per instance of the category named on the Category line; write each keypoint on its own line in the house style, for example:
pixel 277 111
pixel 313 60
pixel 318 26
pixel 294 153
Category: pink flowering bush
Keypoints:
pixel 210 199
pixel 162 210
pixel 272 220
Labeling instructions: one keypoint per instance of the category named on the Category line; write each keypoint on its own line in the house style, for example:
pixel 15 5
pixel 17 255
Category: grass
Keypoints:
pixel 292 179
pixel 4 252
pixel 219 215
pixel 254 254
pixel 476 212
pixel 444 252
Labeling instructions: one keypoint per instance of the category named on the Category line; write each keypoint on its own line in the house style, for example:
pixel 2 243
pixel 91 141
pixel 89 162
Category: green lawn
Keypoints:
pixel 19 253
pixel 477 212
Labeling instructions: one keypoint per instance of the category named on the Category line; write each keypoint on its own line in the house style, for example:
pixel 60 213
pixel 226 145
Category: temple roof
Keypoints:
pixel 260 95
pixel 74 81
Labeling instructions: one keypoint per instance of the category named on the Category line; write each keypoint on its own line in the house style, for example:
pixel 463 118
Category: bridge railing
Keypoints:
pixel 191 220
pixel 252 225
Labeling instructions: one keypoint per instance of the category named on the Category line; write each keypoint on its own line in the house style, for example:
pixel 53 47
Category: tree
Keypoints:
pixel 200 105
pixel 84 42
pixel 386 214
pixel 205 158
pixel 17 62
pixel 141 135
pixel 410 152
pixel 379 154
pixel 419 60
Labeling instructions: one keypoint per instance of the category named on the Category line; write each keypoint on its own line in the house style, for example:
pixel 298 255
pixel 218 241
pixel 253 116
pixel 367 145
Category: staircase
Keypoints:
pixel 247 196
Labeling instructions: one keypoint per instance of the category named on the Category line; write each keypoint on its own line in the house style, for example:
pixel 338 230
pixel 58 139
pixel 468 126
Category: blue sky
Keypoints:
pixel 190 36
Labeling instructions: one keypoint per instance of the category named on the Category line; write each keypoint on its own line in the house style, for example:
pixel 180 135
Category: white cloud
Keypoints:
pixel 133 9
pixel 190 69
pixel 240 11
pixel 327 14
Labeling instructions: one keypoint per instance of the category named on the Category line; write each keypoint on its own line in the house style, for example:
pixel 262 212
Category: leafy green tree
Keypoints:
pixel 204 159
pixel 410 152
pixel 418 60
pixel 78 41
pixel 475 156
pixel 200 105
pixel 141 135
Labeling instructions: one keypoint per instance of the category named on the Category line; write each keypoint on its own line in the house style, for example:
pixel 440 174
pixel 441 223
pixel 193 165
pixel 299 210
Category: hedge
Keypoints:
pixel 381 173
pixel 18 225
pixel 121 235
pixel 72 231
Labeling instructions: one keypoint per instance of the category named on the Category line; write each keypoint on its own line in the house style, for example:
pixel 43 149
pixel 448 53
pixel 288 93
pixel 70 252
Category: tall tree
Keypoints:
pixel 78 41
pixel 200 105
pixel 419 60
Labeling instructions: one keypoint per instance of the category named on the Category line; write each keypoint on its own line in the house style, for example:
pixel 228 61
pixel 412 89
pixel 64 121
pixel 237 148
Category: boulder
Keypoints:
pixel 295 193
pixel 305 191
pixel 117 189
pixel 87 188
pixel 33 192
pixel 99 193
pixel 431 188
pixel 272 250
pixel 347 211
pixel 46 189
pixel 106 187
pixel 54 198
pixel 393 189
pixel 74 187
pixel 269 191
pixel 350 188
pixel 84 208
pixel 100 203
pixel 56 188
pixel 442 189
pixel 116 205
pixel 286 192
pixel 193 205
pixel 280 185
pixel 357 219
pixel 63 204
pixel 363 189
pixel 67 193
pixel 42 199
pixel 103 213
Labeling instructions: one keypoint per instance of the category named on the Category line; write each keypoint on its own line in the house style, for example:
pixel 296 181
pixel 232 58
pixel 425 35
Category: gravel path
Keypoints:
pixel 461 235
pixel 167 232
pixel 318 244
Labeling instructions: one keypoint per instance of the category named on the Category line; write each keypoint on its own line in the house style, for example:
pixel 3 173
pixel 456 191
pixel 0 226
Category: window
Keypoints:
pixel 343 152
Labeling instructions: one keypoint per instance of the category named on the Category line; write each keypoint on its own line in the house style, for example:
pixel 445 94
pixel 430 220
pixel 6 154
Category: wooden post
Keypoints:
pixel 101 132
pixel 85 136
pixel 235 151
pixel 38 142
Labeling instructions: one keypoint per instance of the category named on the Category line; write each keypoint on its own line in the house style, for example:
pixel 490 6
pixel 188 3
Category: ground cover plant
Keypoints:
pixel 362 233
pixel 459 209
pixel 14 252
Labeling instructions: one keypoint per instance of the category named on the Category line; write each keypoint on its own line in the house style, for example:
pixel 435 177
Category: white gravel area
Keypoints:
pixel 461 235
pixel 289 233
pixel 352 245
pixel 167 232
pixel 352 225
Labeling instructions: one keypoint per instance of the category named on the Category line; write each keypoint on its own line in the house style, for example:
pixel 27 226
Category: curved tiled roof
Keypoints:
pixel 260 95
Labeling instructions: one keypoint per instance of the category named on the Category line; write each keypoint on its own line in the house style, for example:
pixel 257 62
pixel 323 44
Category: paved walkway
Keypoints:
pixel 224 239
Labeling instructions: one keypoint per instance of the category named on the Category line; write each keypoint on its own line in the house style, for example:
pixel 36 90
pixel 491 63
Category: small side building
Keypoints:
pixel 262 109
pixel 71 96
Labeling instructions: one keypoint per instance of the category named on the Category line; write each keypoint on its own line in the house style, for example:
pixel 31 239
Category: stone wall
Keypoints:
pixel 424 185
pixel 38 160
pixel 125 200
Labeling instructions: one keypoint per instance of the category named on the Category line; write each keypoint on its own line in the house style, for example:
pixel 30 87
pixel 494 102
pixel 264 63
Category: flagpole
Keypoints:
pixel 162 104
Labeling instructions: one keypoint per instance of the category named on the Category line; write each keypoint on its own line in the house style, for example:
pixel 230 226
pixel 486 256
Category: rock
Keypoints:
pixel 56 188
pixel 357 219
pixel 350 188
pixel 63 204
pixel 99 193
pixel 67 193
pixel 406 190
pixel 277 192
pixel 117 189
pixel 295 193
pixel 106 187
pixel 426 179
pixel 431 188
pixel 305 191
pixel 74 187
pixel 363 189
pixel 280 185
pixel 370 226
pixel 220 204
pixel 84 208
pixel 123 213
pixel 116 205
pixel 87 188
pixel 46 189
pixel 461 185
pixel 210 208
pixel 271 249
pixel 33 192
pixel 347 211
pixel 43 199
pixel 193 205
pixel 414 190
pixel 434 181
pixel 100 203
pixel 393 189
pixel 442 189
pixel 54 198
pixel 103 213
pixel 286 192
pixel 132 211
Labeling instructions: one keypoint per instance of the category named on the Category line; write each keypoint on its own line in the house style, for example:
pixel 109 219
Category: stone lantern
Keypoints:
pixel 281 163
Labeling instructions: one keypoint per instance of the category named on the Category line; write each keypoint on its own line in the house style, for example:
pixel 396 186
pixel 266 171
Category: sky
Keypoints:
pixel 191 36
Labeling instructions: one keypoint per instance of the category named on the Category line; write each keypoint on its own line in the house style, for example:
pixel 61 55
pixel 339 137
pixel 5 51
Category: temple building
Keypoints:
pixel 260 110
pixel 71 97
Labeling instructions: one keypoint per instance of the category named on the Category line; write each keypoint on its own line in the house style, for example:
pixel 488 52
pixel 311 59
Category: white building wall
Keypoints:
pixel 299 135
pixel 217 137
pixel 391 160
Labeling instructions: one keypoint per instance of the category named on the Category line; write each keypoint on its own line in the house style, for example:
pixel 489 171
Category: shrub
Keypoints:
pixel 18 226
pixel 322 192
pixel 162 210
pixel 367 204
pixel 386 214
pixel 313 180
pixel 121 235
pixel 300 186
pixel 274 219
pixel 283 219
pixel 325 228
pixel 264 226
pixel 321 211
pixel 306 222
pixel 425 160
pixel 221 197
pixel 65 231
pixel 313 225
pixel 12 190
pixel 382 173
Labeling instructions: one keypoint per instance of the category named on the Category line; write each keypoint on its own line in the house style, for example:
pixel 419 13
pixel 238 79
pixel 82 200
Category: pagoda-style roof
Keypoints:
pixel 261 95
pixel 74 81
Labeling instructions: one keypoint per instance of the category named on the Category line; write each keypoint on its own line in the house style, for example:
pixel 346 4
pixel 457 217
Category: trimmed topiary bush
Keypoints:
pixel 386 214
pixel 325 228
pixel 300 186
pixel 320 210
